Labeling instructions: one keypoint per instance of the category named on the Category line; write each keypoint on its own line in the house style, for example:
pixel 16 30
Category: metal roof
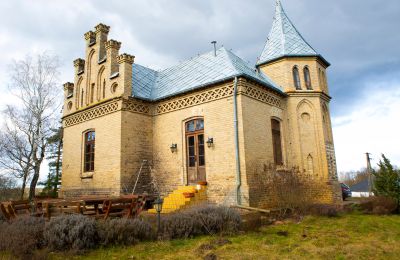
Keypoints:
pixel 285 40
pixel 362 186
pixel 195 73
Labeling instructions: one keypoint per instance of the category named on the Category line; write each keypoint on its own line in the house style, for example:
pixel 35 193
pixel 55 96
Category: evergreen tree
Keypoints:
pixel 54 158
pixel 387 180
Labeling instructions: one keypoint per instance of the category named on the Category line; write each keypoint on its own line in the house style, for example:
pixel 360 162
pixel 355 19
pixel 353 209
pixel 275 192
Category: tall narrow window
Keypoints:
pixel 90 138
pixel 82 96
pixel 92 93
pixel 276 141
pixel 307 78
pixel 104 88
pixel 296 78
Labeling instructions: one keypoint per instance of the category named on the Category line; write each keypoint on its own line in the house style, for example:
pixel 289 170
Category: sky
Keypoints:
pixel 360 38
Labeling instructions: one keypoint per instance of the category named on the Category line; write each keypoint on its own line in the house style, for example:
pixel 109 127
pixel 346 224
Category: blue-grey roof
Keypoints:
pixel 284 39
pixel 362 186
pixel 195 73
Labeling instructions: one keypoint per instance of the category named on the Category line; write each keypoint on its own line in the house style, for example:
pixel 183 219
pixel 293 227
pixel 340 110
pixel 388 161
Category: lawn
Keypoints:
pixel 353 236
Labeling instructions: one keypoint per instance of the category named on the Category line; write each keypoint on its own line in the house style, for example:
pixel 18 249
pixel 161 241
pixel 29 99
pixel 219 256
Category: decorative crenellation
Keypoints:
pixel 92 113
pixel 90 37
pixel 79 65
pixel 113 44
pixel 102 28
pixel 261 95
pixel 330 156
pixel 135 106
pixel 195 99
pixel 125 58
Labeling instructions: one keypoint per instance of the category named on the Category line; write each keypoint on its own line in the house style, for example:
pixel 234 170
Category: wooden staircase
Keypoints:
pixel 183 197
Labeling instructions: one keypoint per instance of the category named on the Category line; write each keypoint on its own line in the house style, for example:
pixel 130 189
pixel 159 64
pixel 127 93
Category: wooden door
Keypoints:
pixel 195 151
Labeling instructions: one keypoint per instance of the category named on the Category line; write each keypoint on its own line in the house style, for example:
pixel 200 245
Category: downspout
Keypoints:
pixel 235 121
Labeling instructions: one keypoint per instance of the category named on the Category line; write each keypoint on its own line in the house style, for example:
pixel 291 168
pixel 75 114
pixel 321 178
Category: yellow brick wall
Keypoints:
pixel 126 137
pixel 170 167
pixel 106 177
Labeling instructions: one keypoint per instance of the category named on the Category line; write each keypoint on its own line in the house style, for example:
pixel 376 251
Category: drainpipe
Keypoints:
pixel 235 121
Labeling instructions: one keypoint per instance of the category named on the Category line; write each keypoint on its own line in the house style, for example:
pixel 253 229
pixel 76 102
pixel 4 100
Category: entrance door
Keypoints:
pixel 195 151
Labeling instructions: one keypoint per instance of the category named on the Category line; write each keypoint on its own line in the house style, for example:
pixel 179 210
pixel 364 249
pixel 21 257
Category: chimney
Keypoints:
pixel 79 65
pixel 125 62
pixel 101 38
pixel 112 48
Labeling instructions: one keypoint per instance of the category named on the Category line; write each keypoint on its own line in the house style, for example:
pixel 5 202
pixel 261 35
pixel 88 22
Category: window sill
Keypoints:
pixel 87 175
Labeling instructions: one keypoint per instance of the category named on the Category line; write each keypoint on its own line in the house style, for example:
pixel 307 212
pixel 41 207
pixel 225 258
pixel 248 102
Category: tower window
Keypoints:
pixel 307 78
pixel 90 138
pixel 276 141
pixel 296 78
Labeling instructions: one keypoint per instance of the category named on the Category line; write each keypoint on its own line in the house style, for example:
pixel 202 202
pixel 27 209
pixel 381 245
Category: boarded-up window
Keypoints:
pixel 90 138
pixel 276 141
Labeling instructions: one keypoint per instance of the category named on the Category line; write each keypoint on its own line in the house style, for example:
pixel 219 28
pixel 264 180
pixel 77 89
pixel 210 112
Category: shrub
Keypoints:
pixel 68 232
pixel 203 220
pixel 326 210
pixel 180 225
pixel 124 231
pixel 22 235
pixel 2 218
pixel 217 219
pixel 379 205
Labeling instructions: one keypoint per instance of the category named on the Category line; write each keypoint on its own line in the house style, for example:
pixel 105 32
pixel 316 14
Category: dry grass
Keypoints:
pixel 353 236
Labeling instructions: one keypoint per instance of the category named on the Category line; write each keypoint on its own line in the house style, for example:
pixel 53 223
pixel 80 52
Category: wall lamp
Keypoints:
pixel 173 147
pixel 210 142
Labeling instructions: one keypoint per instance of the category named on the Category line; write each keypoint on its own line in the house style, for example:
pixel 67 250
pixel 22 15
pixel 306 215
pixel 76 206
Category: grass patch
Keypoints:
pixel 352 236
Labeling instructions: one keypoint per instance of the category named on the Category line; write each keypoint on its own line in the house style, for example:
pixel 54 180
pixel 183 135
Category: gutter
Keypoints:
pixel 235 121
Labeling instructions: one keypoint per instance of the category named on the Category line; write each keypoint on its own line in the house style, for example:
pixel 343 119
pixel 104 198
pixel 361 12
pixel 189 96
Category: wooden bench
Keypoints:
pixel 56 208
pixel 127 207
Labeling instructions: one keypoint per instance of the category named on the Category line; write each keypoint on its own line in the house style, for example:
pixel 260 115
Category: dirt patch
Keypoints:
pixel 210 256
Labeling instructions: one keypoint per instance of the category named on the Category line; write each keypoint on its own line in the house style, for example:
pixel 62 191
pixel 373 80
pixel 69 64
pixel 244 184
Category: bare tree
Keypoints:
pixel 15 154
pixel 34 81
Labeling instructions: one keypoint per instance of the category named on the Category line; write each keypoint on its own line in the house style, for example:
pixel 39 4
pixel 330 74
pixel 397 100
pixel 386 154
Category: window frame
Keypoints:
pixel 296 78
pixel 277 137
pixel 307 78
pixel 89 164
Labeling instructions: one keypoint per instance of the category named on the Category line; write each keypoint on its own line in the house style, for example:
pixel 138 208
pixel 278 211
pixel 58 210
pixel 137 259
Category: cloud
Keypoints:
pixel 358 37
pixel 371 126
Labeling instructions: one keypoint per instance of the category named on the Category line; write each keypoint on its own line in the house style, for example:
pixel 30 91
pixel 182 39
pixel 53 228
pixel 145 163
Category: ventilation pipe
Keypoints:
pixel 215 47
pixel 235 121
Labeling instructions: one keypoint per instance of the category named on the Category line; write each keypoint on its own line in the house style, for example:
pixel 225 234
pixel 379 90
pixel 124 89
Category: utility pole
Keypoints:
pixel 369 172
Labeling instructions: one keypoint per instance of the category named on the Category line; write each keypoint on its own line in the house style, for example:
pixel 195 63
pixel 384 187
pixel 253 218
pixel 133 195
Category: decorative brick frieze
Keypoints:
pixel 91 113
pixel 194 99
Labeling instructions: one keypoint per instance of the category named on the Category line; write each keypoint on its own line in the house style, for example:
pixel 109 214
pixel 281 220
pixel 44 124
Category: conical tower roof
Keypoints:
pixel 285 40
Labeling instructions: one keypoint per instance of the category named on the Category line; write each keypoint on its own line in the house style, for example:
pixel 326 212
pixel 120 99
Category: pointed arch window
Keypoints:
pixel 307 78
pixel 276 141
pixel 296 78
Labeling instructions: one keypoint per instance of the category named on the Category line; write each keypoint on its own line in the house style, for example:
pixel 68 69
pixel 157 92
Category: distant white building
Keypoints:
pixel 361 189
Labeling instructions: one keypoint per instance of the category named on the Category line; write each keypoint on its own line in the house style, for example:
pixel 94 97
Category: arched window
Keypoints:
pixel 307 78
pixel 90 138
pixel 276 141
pixel 296 78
